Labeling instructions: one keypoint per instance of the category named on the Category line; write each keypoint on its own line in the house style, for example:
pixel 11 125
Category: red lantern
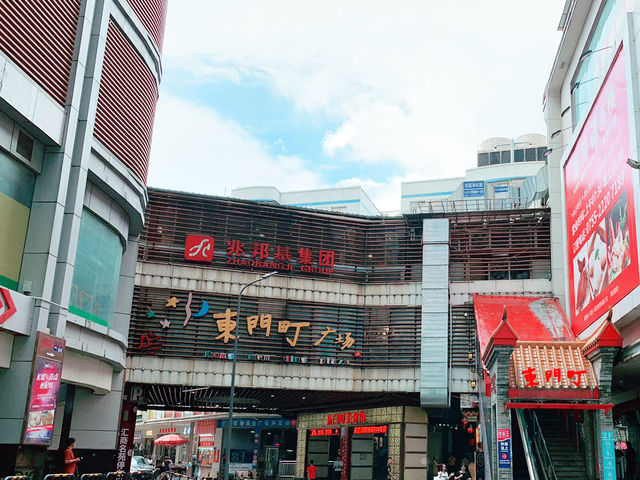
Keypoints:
pixel 465 421
pixel 470 430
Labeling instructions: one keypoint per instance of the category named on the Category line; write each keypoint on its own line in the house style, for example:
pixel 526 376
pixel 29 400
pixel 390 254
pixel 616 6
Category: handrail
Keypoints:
pixel 526 445
pixel 470 205
pixel 541 448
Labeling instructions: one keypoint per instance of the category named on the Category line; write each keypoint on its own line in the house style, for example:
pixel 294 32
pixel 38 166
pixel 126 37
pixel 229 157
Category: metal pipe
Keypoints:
pixel 227 463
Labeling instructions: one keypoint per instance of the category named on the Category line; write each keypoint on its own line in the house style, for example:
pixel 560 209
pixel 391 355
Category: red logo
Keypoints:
pixel 7 307
pixel 198 248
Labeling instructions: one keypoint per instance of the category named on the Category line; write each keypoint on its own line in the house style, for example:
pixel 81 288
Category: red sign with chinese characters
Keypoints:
pixel 198 248
pixel 207 427
pixel 45 383
pixel 346 418
pixel 600 213
pixel 551 377
pixel 370 430
pixel 324 432
pixel 263 255
pixel 125 436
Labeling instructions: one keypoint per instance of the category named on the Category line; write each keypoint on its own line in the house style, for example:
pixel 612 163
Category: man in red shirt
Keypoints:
pixel 70 460
pixel 311 471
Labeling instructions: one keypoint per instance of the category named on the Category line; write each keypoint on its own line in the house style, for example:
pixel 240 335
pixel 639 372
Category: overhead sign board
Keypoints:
pixel 599 200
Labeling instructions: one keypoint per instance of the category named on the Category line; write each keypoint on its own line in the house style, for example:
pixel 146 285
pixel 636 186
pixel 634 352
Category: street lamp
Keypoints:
pixel 233 372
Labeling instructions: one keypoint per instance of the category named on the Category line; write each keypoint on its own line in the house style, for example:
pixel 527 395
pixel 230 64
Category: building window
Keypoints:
pixel 483 159
pixel 505 157
pixel 494 158
pixel 594 66
pixel 518 155
pixel 97 270
pixel 16 192
pixel 530 155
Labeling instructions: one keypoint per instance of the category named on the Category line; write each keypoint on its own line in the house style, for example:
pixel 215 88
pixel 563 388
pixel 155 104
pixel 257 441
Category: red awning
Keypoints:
pixel 533 319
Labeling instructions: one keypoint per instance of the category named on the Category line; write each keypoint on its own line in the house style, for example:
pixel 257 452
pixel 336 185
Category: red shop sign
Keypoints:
pixel 370 430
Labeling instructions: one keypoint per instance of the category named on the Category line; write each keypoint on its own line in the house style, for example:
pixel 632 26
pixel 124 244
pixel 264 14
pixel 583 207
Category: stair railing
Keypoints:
pixel 532 463
pixel 541 448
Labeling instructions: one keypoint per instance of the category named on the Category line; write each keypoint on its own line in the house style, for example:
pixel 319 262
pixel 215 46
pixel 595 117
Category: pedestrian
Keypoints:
pixel 70 460
pixel 311 471
pixel 338 465
pixel 442 473
pixel 631 462
pixel 390 474
pixel 462 474
pixel 435 467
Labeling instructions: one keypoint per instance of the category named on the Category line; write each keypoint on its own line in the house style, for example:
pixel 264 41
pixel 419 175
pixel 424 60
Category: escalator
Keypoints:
pixel 550 446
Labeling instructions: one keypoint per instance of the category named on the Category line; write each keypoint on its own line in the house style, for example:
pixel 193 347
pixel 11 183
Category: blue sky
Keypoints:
pixel 302 95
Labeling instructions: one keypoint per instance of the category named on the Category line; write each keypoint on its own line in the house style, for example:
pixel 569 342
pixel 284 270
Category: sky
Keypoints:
pixel 304 95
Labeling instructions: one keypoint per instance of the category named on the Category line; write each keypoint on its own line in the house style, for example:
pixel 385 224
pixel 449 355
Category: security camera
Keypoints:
pixel 26 287
pixel 633 163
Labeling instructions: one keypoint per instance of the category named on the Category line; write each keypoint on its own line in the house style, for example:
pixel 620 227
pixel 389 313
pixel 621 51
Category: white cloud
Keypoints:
pixel 385 195
pixel 416 83
pixel 194 149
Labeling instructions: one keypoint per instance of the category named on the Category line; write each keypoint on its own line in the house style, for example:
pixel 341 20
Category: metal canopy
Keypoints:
pixel 266 401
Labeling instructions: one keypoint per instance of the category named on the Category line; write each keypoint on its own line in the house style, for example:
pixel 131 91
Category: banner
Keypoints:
pixel 599 202
pixel 45 384
pixel 504 448
pixel 126 432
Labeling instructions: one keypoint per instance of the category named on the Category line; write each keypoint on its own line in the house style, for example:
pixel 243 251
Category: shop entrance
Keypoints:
pixel 369 453
pixel 323 448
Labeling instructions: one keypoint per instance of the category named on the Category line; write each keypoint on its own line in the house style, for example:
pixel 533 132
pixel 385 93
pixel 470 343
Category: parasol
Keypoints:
pixel 171 439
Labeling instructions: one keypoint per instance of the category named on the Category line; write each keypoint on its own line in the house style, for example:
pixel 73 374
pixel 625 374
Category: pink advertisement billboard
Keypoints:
pixel 45 384
pixel 599 202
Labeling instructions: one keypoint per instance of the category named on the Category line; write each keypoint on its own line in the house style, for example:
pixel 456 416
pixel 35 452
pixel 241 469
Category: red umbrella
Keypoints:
pixel 171 439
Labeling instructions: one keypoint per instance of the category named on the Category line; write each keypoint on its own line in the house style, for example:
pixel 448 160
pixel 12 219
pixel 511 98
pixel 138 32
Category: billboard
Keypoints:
pixel 45 383
pixel 599 202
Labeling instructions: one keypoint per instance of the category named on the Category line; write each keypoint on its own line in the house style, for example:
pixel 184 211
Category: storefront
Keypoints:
pixel 258 446
pixel 366 441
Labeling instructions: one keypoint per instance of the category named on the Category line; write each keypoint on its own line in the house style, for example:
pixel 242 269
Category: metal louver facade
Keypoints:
pixel 39 37
pixel 126 103
pixel 367 249
pixel 152 14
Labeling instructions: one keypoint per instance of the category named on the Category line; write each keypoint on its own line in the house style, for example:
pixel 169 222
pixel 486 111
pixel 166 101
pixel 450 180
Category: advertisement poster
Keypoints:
pixel 45 384
pixel 601 224
pixel 504 448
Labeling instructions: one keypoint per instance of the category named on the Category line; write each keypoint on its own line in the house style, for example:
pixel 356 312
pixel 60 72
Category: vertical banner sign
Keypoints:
pixel 43 395
pixel 504 448
pixel 599 194
pixel 125 436
pixel 345 454
pixel 608 456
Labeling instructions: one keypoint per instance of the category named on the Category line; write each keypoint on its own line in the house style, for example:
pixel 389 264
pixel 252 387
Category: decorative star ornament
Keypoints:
pixel 172 302
pixel 151 314
pixel 165 323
